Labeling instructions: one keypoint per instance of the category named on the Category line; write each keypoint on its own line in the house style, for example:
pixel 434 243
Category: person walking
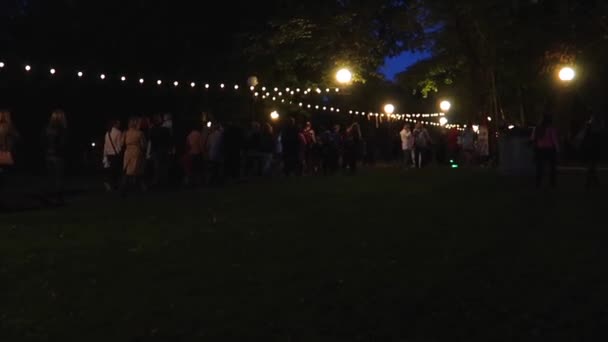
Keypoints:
pixel 134 161
pixel 112 155
pixel 422 143
pixel 546 146
pixel 407 145
pixel 56 137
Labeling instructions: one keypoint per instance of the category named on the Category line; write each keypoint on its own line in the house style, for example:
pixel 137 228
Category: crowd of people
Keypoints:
pixel 211 152
pixel 147 153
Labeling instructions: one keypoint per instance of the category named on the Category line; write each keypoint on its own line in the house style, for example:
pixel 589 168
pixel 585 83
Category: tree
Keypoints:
pixel 308 42
pixel 505 52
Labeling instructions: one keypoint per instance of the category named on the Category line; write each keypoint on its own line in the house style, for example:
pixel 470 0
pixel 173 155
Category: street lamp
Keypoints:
pixel 567 74
pixel 274 115
pixel 389 109
pixel 445 106
pixel 344 76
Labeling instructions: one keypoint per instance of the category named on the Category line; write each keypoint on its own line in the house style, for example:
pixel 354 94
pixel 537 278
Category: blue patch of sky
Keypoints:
pixel 394 65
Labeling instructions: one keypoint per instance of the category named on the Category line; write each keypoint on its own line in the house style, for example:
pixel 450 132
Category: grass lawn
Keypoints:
pixel 438 255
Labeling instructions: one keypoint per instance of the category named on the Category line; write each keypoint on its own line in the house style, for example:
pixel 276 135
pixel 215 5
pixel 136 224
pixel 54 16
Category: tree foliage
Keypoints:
pixel 505 51
pixel 312 39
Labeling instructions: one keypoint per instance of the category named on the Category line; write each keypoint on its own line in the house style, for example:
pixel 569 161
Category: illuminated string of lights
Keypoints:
pixel 413 118
pixel 123 78
pixel 265 92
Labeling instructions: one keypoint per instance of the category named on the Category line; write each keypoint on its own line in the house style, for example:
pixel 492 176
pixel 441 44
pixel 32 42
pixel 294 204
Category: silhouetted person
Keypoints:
pixel 8 144
pixel 160 149
pixel 422 144
pixel 233 143
pixel 591 148
pixel 546 146
pixel 267 148
pixel 352 147
pixel 290 139
pixel 56 138
pixel 112 155
pixel 134 161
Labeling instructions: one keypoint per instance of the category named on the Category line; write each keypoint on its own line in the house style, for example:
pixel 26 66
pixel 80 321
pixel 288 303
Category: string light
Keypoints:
pixel 236 87
pixel 123 78
pixel 1 65
pixel 102 76
pixel 222 85
pixel 28 68
pixel 80 74
pixel 175 83
pixel 159 82
pixel 192 85
pixel 206 86
pixel 141 81
pixel 53 71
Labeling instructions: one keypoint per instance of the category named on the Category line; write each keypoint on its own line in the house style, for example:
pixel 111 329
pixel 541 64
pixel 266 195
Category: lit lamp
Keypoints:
pixel 274 115
pixel 445 106
pixel 344 76
pixel 443 121
pixel 389 109
pixel 567 74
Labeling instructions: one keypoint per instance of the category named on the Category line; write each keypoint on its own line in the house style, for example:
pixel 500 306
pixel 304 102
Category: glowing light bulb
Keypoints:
pixel 236 87
pixel 159 82
pixel 1 65
pixel 567 74
pixel 102 76
pixel 80 74
pixel 206 86
pixel 344 76
pixel 53 71
pixel 123 78
pixel 192 85
pixel 141 81
pixel 28 68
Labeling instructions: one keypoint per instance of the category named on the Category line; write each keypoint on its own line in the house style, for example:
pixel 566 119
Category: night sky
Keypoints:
pixel 397 64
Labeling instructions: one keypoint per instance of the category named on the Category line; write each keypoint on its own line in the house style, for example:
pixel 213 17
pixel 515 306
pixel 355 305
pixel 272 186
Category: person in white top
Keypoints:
pixel 407 145
pixel 112 155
